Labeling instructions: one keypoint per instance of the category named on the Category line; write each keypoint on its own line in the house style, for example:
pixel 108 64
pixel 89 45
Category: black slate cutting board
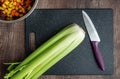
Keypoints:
pixel 46 23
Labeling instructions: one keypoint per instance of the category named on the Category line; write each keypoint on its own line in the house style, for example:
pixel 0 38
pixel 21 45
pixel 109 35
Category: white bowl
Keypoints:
pixel 23 17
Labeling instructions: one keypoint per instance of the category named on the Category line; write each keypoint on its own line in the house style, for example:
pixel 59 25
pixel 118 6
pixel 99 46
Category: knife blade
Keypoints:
pixel 94 38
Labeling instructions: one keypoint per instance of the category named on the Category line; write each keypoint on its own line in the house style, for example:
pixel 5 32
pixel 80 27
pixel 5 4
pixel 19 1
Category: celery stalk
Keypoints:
pixel 12 65
pixel 67 30
pixel 54 61
pixel 38 51
pixel 63 47
pixel 38 72
pixel 48 54
pixel 52 51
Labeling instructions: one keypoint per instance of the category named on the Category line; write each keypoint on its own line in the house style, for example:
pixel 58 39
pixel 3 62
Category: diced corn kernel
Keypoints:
pixel 1 8
pixel 6 10
pixel 18 0
pixel 11 2
pixel 10 16
pixel 21 15
pixel 23 10
pixel 16 8
pixel 14 3
pixel 20 10
pixel 10 5
pixel 4 6
pixel 7 2
pixel 29 8
pixel 9 9
pixel 12 8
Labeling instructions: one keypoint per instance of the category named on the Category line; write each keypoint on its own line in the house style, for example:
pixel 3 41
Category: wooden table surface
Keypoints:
pixel 12 36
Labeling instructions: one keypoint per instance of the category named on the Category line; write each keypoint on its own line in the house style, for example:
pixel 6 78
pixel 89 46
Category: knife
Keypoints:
pixel 94 38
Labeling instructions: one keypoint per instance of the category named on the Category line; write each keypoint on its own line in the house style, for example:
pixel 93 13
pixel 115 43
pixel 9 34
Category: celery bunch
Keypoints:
pixel 48 54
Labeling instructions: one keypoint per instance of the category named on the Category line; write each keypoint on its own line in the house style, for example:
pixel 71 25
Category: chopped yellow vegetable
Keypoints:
pixel 15 8
pixel 7 2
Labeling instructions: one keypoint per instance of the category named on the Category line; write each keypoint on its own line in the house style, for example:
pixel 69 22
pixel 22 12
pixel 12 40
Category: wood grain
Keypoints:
pixel 12 36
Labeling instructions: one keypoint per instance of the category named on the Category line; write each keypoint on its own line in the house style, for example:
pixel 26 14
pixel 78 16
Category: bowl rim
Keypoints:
pixel 23 17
